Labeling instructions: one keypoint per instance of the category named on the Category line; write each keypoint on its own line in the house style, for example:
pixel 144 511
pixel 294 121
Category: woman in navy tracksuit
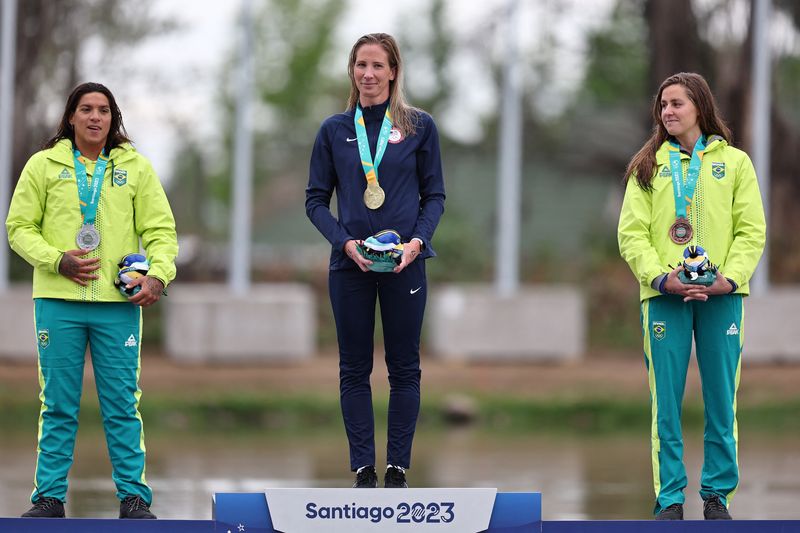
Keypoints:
pixel 381 156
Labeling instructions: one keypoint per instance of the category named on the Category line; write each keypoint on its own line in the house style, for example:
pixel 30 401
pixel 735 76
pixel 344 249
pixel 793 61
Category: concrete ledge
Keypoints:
pixel 772 326
pixel 275 321
pixel 17 331
pixel 472 322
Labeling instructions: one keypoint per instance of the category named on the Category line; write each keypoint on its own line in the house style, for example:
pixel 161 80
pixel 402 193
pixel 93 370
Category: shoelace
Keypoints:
pixel 713 504
pixel 45 503
pixel 365 475
pixel 396 476
pixel 135 503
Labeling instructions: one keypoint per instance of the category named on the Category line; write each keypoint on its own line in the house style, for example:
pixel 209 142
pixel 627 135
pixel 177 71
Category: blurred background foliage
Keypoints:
pixel 574 152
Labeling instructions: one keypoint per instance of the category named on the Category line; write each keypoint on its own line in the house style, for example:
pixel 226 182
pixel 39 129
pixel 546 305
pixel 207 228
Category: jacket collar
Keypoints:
pixel 715 142
pixel 62 154
pixel 375 112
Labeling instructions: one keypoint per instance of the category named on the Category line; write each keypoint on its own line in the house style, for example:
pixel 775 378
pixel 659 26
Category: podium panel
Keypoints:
pixel 367 511
pixel 683 526
pixel 401 510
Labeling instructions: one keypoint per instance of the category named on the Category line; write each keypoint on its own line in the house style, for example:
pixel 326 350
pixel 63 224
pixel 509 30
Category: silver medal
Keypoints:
pixel 88 238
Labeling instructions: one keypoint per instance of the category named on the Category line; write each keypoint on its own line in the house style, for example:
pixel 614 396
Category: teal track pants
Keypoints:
pixel 668 325
pixel 113 334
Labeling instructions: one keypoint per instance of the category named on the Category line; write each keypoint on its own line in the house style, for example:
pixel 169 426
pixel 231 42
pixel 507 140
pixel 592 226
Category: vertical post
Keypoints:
pixel 510 164
pixel 7 61
pixel 241 208
pixel 761 109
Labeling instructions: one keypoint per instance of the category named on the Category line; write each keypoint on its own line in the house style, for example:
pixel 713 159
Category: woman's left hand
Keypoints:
pixel 150 293
pixel 411 251
pixel 699 292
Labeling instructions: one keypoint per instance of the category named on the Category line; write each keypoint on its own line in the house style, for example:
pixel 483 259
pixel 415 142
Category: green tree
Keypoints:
pixel 295 90
pixel 51 40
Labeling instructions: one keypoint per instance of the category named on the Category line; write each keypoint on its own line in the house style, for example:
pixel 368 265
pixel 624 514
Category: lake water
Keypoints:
pixel 580 477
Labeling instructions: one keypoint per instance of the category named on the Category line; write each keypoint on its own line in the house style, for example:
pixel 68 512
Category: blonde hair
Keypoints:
pixel 404 117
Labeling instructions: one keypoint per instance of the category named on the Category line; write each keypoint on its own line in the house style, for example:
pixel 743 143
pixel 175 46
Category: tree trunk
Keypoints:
pixel 675 45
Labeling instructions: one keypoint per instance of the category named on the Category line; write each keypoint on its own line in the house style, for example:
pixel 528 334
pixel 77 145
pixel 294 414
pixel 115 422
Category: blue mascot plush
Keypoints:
pixel 384 249
pixel 131 267
pixel 697 269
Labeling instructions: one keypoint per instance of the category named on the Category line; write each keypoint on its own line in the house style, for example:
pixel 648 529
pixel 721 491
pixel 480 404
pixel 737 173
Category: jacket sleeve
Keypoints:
pixel 749 226
pixel 431 184
pixel 24 221
pixel 322 182
pixel 155 225
pixel 633 234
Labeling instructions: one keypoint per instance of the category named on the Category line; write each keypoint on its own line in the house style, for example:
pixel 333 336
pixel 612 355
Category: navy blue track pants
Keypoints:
pixel 402 299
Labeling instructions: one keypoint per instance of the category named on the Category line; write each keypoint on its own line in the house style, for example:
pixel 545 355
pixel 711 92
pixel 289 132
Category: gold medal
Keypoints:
pixel 681 231
pixel 374 195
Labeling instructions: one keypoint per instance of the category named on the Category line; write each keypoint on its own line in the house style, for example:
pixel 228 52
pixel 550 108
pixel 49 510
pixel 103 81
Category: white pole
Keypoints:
pixel 7 61
pixel 510 164
pixel 761 109
pixel 241 208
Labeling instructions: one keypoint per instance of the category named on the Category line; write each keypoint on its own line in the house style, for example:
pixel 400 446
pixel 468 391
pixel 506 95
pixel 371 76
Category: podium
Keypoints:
pixel 384 510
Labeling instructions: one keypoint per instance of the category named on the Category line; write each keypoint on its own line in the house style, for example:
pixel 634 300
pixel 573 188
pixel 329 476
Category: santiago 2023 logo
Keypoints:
pixel 403 513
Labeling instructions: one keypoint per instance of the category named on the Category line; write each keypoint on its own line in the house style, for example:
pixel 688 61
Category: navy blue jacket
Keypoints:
pixel 410 173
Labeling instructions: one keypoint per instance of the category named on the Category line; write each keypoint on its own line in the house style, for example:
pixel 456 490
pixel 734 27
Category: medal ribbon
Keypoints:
pixel 685 191
pixel 370 168
pixel 89 196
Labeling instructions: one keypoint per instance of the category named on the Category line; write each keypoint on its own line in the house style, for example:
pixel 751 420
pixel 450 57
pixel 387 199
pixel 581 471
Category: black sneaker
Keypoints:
pixel 395 478
pixel 366 478
pixel 673 512
pixel 713 509
pixel 134 507
pixel 46 508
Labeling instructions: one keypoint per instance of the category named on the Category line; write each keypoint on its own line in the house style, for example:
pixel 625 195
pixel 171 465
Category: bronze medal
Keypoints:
pixel 681 231
pixel 374 196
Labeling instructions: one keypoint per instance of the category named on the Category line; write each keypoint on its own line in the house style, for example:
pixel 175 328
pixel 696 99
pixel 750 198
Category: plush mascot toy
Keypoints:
pixel 384 249
pixel 131 267
pixel 697 269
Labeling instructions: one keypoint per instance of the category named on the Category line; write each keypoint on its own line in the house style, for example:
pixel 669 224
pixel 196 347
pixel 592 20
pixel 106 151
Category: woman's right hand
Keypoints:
pixel 76 269
pixel 352 252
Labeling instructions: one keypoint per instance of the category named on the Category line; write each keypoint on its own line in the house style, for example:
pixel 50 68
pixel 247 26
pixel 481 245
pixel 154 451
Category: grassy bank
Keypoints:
pixel 303 412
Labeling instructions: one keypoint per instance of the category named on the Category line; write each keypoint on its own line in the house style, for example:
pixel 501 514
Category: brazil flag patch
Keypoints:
pixel 659 330
pixel 718 170
pixel 120 177
pixel 43 336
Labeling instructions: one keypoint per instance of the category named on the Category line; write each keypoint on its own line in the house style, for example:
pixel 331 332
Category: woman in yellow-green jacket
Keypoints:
pixel 689 187
pixel 82 204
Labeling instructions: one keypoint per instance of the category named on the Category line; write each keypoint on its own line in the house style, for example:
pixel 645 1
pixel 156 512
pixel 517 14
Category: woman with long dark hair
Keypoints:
pixel 692 230
pixel 79 211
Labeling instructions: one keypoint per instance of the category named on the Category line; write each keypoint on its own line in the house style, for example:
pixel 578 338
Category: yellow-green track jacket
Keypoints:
pixel 44 218
pixel 726 213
